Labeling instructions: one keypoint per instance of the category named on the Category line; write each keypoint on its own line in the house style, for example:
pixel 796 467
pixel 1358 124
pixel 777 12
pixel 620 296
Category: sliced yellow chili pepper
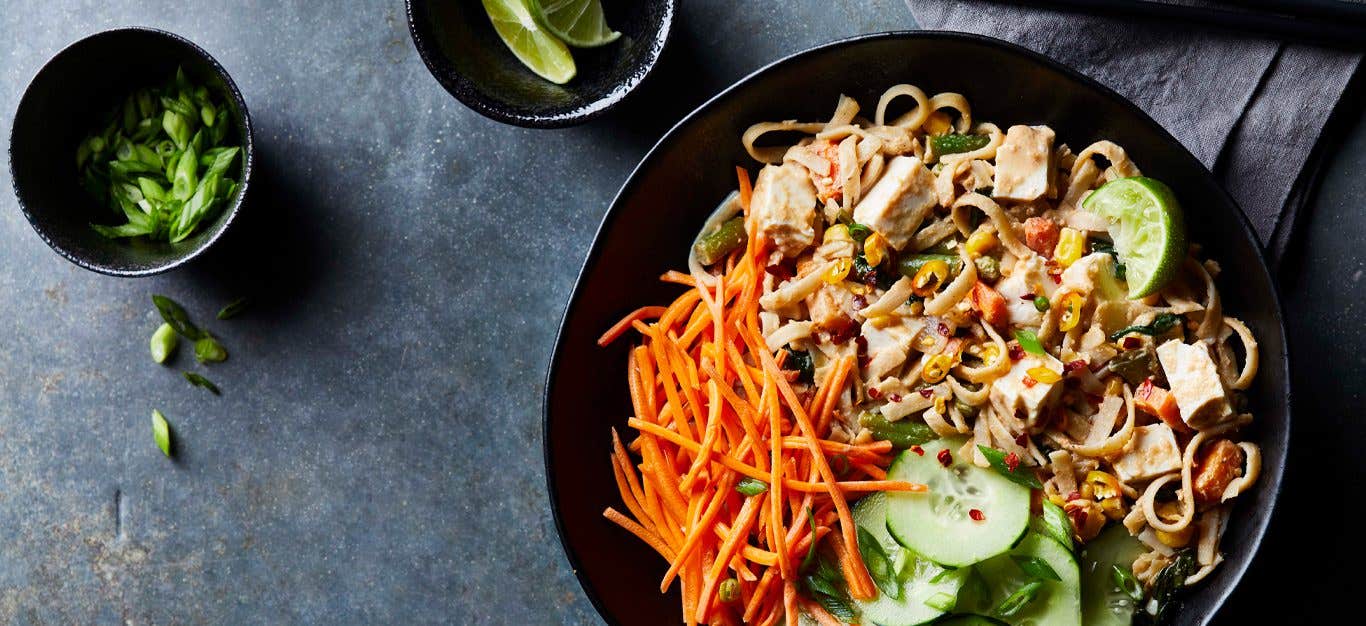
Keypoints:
pixel 875 249
pixel 980 241
pixel 936 368
pixel 929 278
pixel 837 271
pixel 1044 375
pixel 1103 485
pixel 1071 311
pixel 1071 246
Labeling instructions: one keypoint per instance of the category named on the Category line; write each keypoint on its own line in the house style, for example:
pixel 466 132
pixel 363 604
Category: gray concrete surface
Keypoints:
pixel 375 456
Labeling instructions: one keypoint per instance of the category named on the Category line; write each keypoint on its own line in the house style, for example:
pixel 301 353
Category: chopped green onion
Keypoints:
pixel 200 381
pixel 161 432
pixel 163 343
pixel 1126 582
pixel 234 308
pixel 941 601
pixel 208 350
pixel 1055 523
pixel 810 551
pixel 878 564
pixel 175 315
pixel 1017 601
pixel 1035 567
pixel 730 590
pixel 1029 341
pixel 751 486
pixel 997 459
pixel 858 232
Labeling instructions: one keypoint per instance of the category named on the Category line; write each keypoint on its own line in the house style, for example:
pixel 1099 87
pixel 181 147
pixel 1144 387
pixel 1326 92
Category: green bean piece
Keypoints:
pixel 714 246
pixel 1135 366
pixel 902 433
pixel 910 264
pixel 954 143
pixel 164 342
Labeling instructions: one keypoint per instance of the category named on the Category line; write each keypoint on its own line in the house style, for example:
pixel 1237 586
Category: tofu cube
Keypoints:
pixel 899 201
pixel 1030 399
pixel 1195 383
pixel 1024 164
pixel 1152 453
pixel 784 207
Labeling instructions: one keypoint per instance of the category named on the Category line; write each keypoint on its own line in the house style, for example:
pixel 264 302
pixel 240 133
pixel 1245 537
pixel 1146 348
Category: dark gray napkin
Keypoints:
pixel 1255 106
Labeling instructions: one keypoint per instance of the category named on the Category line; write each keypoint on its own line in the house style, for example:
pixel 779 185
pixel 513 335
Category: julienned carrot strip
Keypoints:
pixel 738 532
pixel 619 329
pixel 745 412
pixel 636 529
pixel 668 379
pixel 699 530
pixel 628 498
pixel 841 376
pixel 713 431
pixel 677 277
pixel 746 190
pixel 775 512
pixel 833 447
pixel 756 599
pixel 790 602
pixel 823 617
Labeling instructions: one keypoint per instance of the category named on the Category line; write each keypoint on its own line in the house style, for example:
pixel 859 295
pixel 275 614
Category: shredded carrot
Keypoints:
pixel 713 408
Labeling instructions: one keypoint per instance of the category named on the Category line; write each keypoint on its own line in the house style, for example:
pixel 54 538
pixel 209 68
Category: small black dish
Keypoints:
pixel 457 42
pixel 651 224
pixel 65 100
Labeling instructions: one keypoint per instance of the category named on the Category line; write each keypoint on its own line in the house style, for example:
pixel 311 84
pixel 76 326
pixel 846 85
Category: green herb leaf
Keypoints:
pixel 832 597
pixel 1020 475
pixel 1029 341
pixel 800 360
pixel 902 433
pixel 1035 567
pixel 1165 586
pixel 208 350
pixel 751 486
pixel 161 432
pixel 196 379
pixel 1160 324
pixel 175 315
pixel 941 601
pixel 163 343
pixel 879 565
pixel 234 308
pixel 1017 601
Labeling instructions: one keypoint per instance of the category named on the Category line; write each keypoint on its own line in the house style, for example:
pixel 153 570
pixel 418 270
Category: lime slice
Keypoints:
pixel 579 23
pixel 1147 227
pixel 537 49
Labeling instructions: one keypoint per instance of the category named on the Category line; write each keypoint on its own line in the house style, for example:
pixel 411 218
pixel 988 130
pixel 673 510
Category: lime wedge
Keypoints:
pixel 537 49
pixel 579 23
pixel 1147 227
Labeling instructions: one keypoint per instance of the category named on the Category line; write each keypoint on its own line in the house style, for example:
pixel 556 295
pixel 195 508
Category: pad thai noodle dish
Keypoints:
pixel 926 369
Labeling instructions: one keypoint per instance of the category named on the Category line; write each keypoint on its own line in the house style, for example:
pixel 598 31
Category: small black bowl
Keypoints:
pixel 67 99
pixel 461 49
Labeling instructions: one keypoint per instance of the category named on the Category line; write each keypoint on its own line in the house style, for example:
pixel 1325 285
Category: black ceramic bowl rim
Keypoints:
pixel 471 96
pixel 1270 477
pixel 229 213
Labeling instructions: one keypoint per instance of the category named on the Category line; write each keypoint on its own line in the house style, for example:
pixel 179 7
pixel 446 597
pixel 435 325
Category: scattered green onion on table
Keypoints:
pixel 161 161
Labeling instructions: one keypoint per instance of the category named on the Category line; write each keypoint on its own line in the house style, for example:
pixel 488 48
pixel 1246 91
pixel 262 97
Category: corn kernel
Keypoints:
pixel 980 241
pixel 839 269
pixel 1071 246
pixel 838 232
pixel 1178 539
pixel 940 406
pixel 875 249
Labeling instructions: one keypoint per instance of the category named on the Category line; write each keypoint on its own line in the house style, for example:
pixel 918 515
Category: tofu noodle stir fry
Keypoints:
pixel 928 369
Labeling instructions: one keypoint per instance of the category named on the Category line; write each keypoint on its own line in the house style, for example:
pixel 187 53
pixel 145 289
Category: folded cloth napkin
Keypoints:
pixel 1251 109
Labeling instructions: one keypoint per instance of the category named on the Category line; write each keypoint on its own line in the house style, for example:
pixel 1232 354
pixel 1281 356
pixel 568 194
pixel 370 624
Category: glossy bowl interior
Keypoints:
pixel 460 48
pixel 651 223
pixel 69 97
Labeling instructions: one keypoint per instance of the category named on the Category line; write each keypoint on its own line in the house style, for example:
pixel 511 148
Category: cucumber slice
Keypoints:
pixel 914 574
pixel 936 525
pixel 1103 603
pixel 1058 602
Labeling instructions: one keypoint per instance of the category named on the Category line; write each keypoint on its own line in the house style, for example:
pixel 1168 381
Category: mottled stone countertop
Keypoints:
pixel 408 283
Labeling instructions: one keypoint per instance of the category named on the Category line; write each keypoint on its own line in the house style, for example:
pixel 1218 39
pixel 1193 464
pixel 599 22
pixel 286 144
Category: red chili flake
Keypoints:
pixel 896 397
pixel 1079 516
pixel 1016 352
pixel 1012 461
pixel 1132 343
pixel 1021 439
pixel 926 392
pixel 1075 495
pixel 945 457
pixel 1074 366
pixel 944 329
pixel 1057 279
pixel 860 303
pixel 874 393
pixel 1029 382
pixel 976 515
pixel 1029 297
pixel 918 450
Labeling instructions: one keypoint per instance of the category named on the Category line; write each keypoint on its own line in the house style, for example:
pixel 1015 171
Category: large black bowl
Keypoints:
pixel 649 227
pixel 67 99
